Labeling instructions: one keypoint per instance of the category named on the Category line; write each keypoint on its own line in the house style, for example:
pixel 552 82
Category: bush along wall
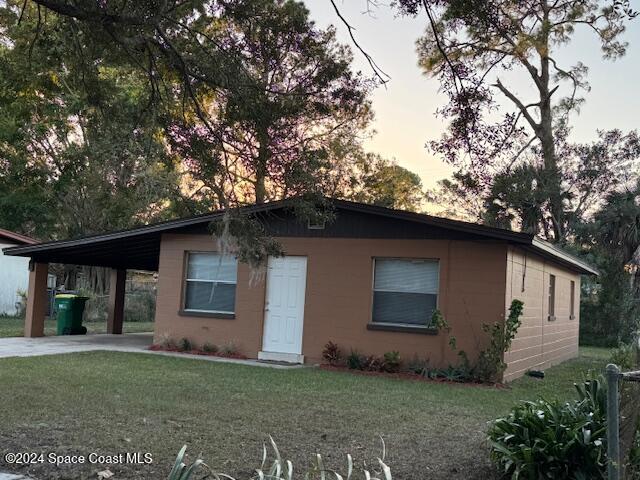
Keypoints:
pixel 488 367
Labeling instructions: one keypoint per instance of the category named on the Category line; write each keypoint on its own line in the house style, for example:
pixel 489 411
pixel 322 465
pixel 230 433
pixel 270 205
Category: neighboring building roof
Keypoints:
pixel 139 248
pixel 14 237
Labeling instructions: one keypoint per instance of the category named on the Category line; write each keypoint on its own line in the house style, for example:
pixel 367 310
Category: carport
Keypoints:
pixel 132 249
pixel 120 251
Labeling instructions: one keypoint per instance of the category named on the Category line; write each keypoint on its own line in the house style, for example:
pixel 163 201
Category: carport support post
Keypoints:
pixel 116 301
pixel 36 299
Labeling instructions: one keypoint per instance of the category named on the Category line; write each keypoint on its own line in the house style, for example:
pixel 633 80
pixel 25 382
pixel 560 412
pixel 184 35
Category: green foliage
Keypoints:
pixel 610 311
pixel 392 362
pixel 418 365
pixel 81 152
pixel 438 321
pixel 490 365
pixel 181 471
pixel 167 343
pixel 554 440
pixel 624 357
pixel 229 349
pixel 372 363
pixel 185 345
pixel 209 347
pixel 355 361
pixel 378 181
pixel 246 237
pixel 461 372
pixel 332 353
pixel 280 469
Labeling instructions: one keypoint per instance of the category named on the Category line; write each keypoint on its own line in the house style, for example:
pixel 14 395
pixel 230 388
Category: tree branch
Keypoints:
pixel 522 107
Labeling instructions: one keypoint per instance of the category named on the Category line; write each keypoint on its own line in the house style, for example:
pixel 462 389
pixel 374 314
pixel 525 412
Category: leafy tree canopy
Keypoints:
pixel 512 150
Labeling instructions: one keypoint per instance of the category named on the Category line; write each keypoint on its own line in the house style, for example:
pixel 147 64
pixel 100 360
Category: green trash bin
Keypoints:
pixel 69 310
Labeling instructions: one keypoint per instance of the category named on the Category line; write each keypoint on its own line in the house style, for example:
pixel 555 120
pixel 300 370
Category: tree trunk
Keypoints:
pixel 551 178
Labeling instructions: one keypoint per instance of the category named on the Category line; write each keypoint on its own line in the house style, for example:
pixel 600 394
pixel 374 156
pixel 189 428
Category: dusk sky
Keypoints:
pixel 405 110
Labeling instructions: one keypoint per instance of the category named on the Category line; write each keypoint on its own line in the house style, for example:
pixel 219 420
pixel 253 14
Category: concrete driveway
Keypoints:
pixel 28 347
pixel 128 342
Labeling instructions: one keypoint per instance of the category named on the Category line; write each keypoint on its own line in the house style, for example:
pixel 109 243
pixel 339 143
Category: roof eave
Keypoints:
pixel 564 257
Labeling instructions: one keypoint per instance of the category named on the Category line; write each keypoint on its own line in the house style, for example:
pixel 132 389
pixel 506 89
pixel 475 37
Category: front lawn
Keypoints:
pixel 14 327
pixel 110 403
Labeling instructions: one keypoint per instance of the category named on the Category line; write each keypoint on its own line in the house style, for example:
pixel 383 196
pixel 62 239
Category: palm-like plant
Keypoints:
pixel 281 469
pixel 619 223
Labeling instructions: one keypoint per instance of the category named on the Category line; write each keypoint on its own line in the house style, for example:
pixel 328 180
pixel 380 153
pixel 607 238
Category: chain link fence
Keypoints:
pixel 623 420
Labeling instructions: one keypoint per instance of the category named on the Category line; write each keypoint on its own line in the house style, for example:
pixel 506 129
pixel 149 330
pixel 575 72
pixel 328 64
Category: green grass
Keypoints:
pixel 110 402
pixel 14 327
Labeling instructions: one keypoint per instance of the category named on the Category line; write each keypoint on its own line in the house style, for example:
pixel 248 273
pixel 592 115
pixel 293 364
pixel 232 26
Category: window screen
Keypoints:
pixel 405 291
pixel 211 283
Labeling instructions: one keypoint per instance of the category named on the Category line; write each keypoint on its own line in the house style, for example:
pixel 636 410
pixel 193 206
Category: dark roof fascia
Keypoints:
pixel 134 232
pixel 523 239
pixel 458 225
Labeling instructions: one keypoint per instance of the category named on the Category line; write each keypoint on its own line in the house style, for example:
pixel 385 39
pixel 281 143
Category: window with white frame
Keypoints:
pixel 211 283
pixel 405 291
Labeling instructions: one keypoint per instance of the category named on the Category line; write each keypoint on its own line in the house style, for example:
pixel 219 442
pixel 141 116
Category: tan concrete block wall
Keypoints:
pixel 339 296
pixel 540 343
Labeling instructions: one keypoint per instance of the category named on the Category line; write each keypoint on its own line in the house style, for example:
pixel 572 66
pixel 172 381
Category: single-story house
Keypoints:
pixel 14 272
pixel 368 280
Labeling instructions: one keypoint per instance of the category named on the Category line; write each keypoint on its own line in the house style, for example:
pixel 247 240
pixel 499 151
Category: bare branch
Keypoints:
pixel 381 74
pixel 521 106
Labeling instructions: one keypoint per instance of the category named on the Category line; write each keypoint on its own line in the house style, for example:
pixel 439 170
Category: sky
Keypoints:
pixel 405 109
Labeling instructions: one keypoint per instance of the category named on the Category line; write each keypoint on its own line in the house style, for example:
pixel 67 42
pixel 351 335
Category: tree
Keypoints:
pixel 248 93
pixel 258 82
pixel 470 46
pixel 80 151
pixel 272 133
pixel 81 131
pixel 612 241
pixel 378 181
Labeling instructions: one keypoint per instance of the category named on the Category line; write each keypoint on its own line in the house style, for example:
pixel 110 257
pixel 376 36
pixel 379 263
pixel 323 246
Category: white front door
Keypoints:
pixel 284 309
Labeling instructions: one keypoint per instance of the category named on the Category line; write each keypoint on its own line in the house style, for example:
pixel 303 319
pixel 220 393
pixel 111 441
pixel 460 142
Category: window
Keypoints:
pixel 211 283
pixel 572 301
pixel 405 291
pixel 552 297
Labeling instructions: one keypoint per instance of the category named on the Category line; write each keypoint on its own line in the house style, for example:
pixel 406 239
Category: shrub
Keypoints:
pixel 418 365
pixel 490 365
pixel 392 362
pixel 166 342
pixel 624 357
pixel 210 348
pixel 185 345
pixel 553 440
pixel 332 353
pixel 140 305
pixel 355 361
pixel 371 363
pixel 229 349
pixel 281 469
